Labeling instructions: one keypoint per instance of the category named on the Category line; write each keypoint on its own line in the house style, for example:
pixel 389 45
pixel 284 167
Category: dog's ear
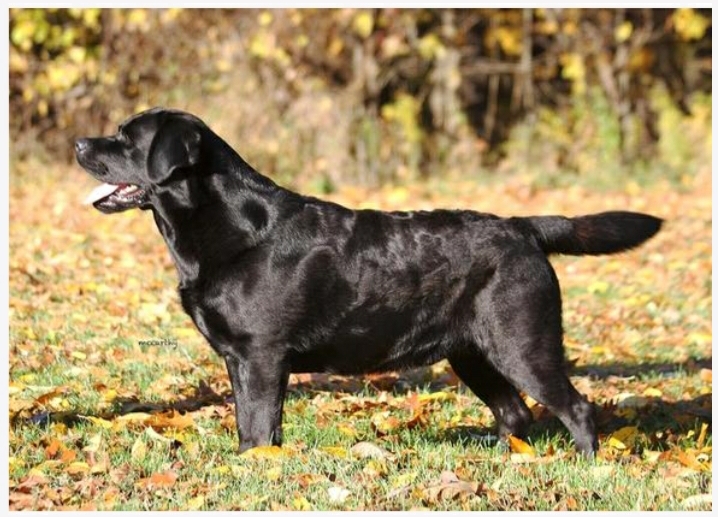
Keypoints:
pixel 176 146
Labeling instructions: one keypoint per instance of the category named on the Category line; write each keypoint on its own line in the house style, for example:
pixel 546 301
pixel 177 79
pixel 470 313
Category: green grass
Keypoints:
pixel 637 328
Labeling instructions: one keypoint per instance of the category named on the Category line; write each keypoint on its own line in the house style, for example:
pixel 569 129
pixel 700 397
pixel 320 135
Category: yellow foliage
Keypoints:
pixel 430 46
pixel 363 24
pixel 623 31
pixel 689 24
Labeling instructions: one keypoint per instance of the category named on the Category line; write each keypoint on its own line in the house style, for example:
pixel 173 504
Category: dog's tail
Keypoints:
pixel 598 234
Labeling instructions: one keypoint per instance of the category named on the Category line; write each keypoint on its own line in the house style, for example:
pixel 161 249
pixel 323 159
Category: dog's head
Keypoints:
pixel 149 150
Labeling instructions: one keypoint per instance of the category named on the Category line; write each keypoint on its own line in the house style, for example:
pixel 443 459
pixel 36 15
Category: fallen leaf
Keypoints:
pixel 195 503
pixel 624 438
pixel 77 468
pixel 158 480
pixel 690 461
pixel 301 503
pixel 274 473
pixel 139 450
pixel 265 452
pixel 384 423
pixel 52 448
pixel 101 422
pixel 307 478
pixel 370 450
pixel 338 452
pixel 170 419
pixel 702 436
pixel 375 468
pixel 449 487
pixel 338 494
pixel 521 447
pixel 47 397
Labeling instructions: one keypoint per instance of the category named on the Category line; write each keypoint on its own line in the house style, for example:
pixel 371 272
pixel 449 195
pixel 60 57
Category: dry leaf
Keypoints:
pixel 521 447
pixel 338 494
pixel 370 450
pixel 338 452
pixel 265 452
pixel 449 487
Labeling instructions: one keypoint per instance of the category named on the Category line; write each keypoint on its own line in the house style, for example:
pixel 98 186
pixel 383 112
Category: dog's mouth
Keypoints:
pixel 110 198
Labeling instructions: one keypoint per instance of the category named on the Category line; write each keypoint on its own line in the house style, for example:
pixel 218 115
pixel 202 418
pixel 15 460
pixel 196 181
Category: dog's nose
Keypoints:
pixel 81 145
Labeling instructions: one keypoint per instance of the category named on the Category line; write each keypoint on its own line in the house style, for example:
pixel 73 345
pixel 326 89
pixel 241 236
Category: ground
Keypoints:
pixel 116 402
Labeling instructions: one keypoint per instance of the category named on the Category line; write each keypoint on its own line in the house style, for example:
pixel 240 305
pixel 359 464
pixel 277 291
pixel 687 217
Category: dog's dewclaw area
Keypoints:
pixel 117 403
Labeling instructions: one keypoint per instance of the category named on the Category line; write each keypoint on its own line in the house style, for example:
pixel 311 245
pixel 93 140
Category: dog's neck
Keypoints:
pixel 188 217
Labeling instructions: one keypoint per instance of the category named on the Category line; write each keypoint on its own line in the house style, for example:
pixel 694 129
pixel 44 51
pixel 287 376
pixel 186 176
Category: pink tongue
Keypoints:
pixel 100 192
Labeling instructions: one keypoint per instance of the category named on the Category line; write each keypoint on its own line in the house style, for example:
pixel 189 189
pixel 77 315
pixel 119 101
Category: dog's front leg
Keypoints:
pixel 259 383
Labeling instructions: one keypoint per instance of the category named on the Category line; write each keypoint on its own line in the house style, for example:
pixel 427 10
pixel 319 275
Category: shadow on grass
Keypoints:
pixel 649 415
pixel 655 417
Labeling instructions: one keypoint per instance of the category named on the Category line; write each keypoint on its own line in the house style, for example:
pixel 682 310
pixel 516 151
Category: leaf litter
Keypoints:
pixel 84 289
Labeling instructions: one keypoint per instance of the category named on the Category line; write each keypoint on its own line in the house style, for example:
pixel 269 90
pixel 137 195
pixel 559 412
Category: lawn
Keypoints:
pixel 117 403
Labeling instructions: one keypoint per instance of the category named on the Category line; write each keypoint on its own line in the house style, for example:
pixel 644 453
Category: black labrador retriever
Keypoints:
pixel 278 282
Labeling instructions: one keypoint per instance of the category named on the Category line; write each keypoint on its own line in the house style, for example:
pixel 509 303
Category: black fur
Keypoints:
pixel 279 282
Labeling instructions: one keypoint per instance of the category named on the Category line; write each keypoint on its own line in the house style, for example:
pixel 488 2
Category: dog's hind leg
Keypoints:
pixel 522 337
pixel 528 353
pixel 511 414
pixel 547 382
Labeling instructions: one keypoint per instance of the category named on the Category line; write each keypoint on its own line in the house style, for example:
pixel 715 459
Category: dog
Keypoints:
pixel 278 282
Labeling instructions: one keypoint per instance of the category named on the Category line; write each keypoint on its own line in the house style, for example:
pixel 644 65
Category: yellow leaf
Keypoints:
pixel 222 470
pixel 404 479
pixel 347 430
pixel 598 286
pixel 101 422
pixel 273 473
pixel 131 418
pixel 338 452
pixel 139 450
pixel 689 24
pixel 520 446
pixel 77 467
pixel 151 433
pixel 170 419
pixel 438 395
pixel 363 24
pixel 79 355
pixel 15 388
pixel 375 468
pixel 616 444
pixel 700 338
pixel 265 18
pixel 623 438
pixel 47 397
pixel 185 332
pixel 195 503
pixel 264 452
pixel 623 31
pixel 652 392
pixel 702 436
pixel 301 503
pixel 93 443
pixel 430 46
pixel 109 395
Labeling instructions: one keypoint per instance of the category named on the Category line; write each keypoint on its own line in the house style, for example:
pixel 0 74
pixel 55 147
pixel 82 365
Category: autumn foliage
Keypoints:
pixel 368 95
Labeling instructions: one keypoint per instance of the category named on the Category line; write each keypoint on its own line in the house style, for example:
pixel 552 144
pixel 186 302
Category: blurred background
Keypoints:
pixel 320 98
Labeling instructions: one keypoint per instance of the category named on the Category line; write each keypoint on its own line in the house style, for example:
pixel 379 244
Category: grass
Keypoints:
pixel 85 289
